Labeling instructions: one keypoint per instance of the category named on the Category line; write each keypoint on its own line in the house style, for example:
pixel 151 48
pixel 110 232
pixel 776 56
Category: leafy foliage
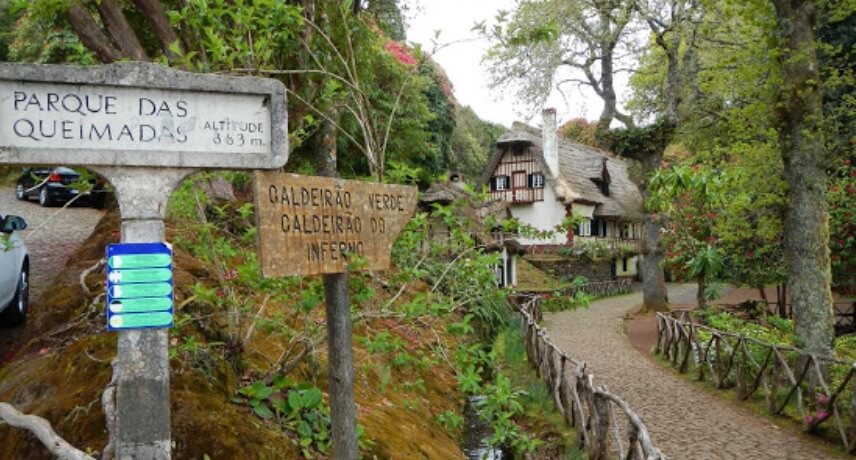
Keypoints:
pixel 689 196
pixel 296 407
pixel 580 130
pixel 533 44
pixel 37 35
pixel 842 226
pixel 473 140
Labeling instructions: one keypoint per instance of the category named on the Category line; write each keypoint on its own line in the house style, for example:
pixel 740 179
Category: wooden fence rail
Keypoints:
pixel 818 390
pixel 607 426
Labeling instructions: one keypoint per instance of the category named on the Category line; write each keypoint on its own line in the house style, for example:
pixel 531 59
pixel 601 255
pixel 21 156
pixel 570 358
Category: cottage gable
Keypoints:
pixel 586 175
pixel 519 176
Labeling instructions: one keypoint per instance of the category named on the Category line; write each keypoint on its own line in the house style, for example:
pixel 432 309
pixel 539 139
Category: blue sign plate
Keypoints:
pixel 139 286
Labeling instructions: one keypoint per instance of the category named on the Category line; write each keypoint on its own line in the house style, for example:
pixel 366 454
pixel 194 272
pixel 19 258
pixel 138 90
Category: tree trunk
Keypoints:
pixel 654 295
pixel 607 86
pixel 782 301
pixel 799 117
pixel 155 14
pixel 701 301
pixel 91 35
pixel 120 31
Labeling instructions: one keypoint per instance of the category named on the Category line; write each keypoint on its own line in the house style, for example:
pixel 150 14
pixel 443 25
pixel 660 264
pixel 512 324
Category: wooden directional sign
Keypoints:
pixel 139 114
pixel 316 225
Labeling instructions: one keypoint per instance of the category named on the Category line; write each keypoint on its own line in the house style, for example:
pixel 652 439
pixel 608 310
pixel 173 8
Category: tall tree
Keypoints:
pixel 673 26
pixel 535 44
pixel 799 116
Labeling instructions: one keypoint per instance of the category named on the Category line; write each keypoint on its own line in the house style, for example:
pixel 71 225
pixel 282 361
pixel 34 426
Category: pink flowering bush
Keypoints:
pixel 400 53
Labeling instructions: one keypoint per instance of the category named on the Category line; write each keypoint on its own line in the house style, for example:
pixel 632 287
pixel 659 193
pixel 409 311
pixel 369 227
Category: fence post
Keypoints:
pixel 601 436
pixel 852 431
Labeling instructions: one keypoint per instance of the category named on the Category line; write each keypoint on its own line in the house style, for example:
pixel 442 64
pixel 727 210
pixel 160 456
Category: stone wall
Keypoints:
pixel 570 267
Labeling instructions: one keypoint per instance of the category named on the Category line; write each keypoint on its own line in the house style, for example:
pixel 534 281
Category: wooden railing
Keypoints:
pixel 844 309
pixel 606 424
pixel 818 390
pixel 613 243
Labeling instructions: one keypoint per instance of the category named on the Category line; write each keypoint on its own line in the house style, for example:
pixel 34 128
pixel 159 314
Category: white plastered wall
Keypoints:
pixel 542 215
pixel 631 267
pixel 584 210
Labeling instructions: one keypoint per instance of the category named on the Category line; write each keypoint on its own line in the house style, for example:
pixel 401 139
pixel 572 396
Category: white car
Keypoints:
pixel 14 272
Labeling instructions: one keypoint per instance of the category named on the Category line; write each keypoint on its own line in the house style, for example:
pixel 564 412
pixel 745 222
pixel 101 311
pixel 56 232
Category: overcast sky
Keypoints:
pixel 462 61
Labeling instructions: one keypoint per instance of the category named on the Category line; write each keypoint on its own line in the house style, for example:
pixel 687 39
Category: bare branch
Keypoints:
pixel 325 117
pixel 86 273
pixel 252 327
pixel 42 429
pixel 108 405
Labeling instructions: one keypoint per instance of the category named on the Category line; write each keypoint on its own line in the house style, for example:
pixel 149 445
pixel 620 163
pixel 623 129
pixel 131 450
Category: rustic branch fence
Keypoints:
pixel 818 390
pixel 845 312
pixel 607 426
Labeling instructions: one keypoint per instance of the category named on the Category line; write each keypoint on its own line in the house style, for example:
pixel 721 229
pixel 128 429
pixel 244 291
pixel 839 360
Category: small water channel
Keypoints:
pixel 476 434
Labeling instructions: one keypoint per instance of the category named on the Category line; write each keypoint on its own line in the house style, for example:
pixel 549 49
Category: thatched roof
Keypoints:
pixel 445 193
pixel 473 210
pixel 580 167
pixel 441 192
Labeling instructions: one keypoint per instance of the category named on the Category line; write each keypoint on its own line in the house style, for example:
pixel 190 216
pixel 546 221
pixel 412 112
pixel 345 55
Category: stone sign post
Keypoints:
pixel 143 127
pixel 325 225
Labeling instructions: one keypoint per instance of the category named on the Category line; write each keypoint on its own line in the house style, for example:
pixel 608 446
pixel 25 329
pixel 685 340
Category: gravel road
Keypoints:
pixel 685 422
pixel 52 235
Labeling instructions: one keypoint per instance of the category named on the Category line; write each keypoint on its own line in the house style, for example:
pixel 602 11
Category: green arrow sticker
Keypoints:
pixel 142 275
pixel 142 305
pixel 136 320
pixel 141 290
pixel 140 261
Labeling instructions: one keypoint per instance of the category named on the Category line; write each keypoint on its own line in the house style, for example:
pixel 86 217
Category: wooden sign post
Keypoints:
pixel 143 127
pixel 323 225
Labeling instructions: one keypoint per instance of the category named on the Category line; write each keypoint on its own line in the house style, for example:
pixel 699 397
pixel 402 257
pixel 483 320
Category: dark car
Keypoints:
pixel 53 186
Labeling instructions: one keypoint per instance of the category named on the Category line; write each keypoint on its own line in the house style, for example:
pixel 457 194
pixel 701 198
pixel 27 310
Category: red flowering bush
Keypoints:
pixel 400 53
pixel 842 226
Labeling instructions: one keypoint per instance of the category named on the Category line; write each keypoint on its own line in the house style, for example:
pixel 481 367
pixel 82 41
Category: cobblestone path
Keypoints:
pixel 685 422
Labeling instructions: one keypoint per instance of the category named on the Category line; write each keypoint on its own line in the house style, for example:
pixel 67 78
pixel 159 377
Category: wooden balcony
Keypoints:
pixel 615 245
pixel 519 195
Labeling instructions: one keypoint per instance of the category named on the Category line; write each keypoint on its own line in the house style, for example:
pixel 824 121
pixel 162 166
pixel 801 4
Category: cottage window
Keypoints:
pixel 536 180
pixel 499 270
pixel 624 264
pixel 598 227
pixel 500 183
pixel 583 228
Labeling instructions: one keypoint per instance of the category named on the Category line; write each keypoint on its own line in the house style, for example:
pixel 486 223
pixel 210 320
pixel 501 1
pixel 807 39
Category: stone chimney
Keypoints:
pixel 550 141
